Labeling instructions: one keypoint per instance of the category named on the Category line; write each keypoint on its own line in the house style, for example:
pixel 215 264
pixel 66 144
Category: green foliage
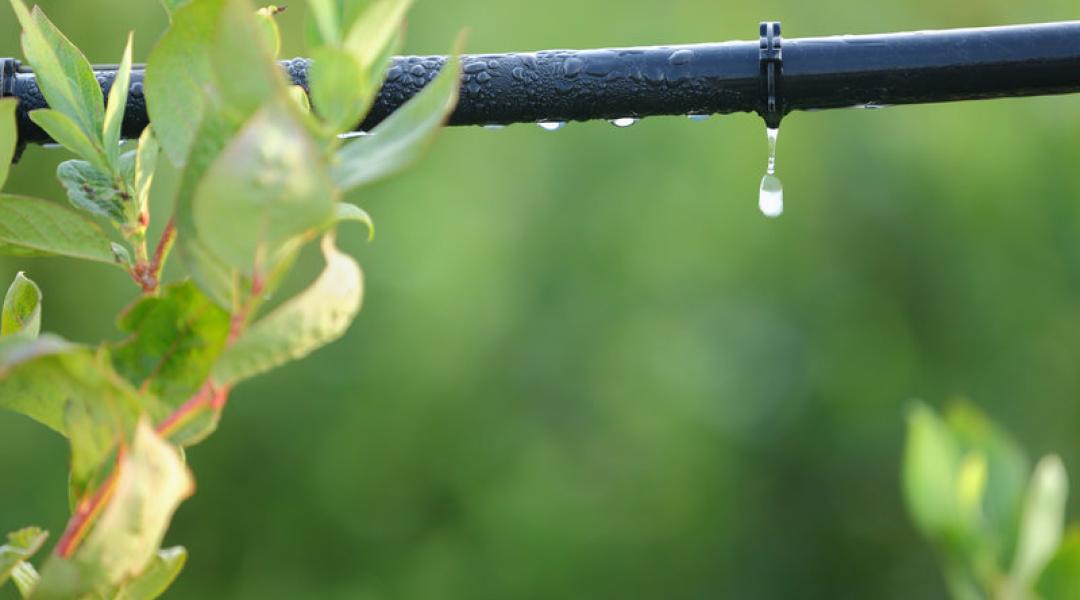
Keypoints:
pixel 997 525
pixel 256 186
pixel 21 314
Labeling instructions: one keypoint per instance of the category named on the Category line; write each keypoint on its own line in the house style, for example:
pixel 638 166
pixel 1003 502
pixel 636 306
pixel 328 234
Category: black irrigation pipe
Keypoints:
pixel 770 77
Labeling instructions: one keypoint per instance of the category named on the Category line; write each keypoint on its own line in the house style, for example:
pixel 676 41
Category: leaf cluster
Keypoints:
pixel 264 170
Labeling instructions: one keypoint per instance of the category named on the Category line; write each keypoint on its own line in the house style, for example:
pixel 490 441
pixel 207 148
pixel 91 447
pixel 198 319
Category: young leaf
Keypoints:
pixel 318 316
pixel 157 578
pixel 21 546
pixel 376 28
pixel 66 132
pixel 337 88
pixel 403 137
pixel 177 74
pixel 1007 472
pixel 146 157
pixel 267 188
pixel 931 460
pixel 21 314
pixel 64 75
pixel 9 136
pixel 174 340
pixel 1043 520
pixel 114 111
pixel 324 23
pixel 328 20
pixel 41 227
pixel 352 212
pixel 152 483
pixel 93 190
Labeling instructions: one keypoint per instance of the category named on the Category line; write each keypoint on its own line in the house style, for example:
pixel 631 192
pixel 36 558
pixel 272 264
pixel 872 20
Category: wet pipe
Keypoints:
pixel 770 76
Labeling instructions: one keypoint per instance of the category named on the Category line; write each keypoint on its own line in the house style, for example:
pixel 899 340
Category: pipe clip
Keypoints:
pixel 771 59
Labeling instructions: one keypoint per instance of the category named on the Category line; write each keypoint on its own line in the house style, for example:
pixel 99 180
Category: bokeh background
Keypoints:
pixel 588 368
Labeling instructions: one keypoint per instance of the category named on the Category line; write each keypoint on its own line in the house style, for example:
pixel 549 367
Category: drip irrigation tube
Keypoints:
pixel 771 77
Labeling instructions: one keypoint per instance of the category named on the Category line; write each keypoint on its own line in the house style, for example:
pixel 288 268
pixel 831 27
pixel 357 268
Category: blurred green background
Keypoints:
pixel 588 368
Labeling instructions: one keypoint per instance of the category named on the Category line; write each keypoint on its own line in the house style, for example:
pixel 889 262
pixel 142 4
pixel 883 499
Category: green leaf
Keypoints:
pixel 376 29
pixel 177 74
pixel 93 190
pixel 114 110
pixel 66 132
pixel 146 157
pixel 1043 521
pixel 324 23
pixel 1060 580
pixel 269 27
pixel 64 75
pixel 318 316
pixel 931 463
pixel 151 482
pixel 351 212
pixel 208 271
pixel 403 137
pixel 9 136
pixel 157 578
pixel 41 227
pixel 338 92
pixel 329 19
pixel 267 188
pixel 40 377
pixel 21 314
pixel 173 341
pixel 245 72
pixel 996 518
pixel 21 546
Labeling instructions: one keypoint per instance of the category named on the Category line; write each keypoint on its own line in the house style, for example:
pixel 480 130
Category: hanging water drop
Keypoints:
pixel 624 122
pixel 551 125
pixel 698 118
pixel 771 195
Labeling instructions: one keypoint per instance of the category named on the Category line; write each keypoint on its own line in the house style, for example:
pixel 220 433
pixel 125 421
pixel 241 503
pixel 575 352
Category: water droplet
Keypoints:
pixel 698 118
pixel 551 125
pixel 771 194
pixel 681 57
pixel 623 122
pixel 494 126
pixel 871 106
